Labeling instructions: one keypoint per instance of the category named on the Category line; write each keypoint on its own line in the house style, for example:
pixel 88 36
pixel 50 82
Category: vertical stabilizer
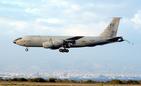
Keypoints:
pixel 111 30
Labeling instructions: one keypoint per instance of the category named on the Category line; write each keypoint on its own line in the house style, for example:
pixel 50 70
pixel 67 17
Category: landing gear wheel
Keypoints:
pixel 64 50
pixel 60 50
pixel 26 49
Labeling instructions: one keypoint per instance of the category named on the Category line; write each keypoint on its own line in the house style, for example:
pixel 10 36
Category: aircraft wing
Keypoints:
pixel 75 38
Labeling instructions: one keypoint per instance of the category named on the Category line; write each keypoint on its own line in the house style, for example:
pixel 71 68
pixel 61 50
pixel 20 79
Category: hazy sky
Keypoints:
pixel 69 17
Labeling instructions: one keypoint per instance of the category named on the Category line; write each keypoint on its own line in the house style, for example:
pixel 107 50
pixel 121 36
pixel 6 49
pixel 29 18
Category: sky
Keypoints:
pixel 70 17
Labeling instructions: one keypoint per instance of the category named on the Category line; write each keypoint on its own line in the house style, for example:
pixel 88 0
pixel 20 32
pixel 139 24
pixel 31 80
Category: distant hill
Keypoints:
pixel 73 76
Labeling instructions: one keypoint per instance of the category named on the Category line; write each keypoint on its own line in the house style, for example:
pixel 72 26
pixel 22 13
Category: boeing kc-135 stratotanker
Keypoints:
pixel 63 43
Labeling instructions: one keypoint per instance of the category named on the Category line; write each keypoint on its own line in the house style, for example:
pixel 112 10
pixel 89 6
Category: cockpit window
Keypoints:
pixel 18 39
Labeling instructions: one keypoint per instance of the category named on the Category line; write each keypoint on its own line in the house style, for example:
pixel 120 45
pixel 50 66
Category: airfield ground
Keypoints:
pixel 4 83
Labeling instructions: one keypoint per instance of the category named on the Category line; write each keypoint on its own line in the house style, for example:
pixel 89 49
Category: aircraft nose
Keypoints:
pixel 20 41
pixel 14 41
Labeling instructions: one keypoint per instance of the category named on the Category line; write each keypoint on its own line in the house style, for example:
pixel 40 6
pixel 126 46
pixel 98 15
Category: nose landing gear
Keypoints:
pixel 26 49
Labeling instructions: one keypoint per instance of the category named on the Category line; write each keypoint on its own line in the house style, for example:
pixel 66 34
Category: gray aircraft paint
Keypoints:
pixel 58 42
pixel 111 30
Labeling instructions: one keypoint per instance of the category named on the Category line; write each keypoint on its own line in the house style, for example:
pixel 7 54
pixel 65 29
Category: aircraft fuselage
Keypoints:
pixel 109 35
pixel 37 41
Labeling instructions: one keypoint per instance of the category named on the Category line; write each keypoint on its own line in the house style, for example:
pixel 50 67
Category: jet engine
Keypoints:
pixel 53 44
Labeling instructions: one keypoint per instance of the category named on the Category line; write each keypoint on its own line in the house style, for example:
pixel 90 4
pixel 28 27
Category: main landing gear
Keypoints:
pixel 63 50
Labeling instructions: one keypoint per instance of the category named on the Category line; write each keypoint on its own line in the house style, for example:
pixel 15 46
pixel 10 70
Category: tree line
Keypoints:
pixel 55 80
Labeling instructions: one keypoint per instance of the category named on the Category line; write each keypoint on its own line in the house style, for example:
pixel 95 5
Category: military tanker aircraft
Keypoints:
pixel 64 43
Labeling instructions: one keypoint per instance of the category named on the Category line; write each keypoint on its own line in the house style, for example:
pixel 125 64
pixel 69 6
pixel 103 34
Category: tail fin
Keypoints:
pixel 111 30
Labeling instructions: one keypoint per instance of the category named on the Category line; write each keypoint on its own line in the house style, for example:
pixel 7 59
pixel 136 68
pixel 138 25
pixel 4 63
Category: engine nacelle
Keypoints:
pixel 53 44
